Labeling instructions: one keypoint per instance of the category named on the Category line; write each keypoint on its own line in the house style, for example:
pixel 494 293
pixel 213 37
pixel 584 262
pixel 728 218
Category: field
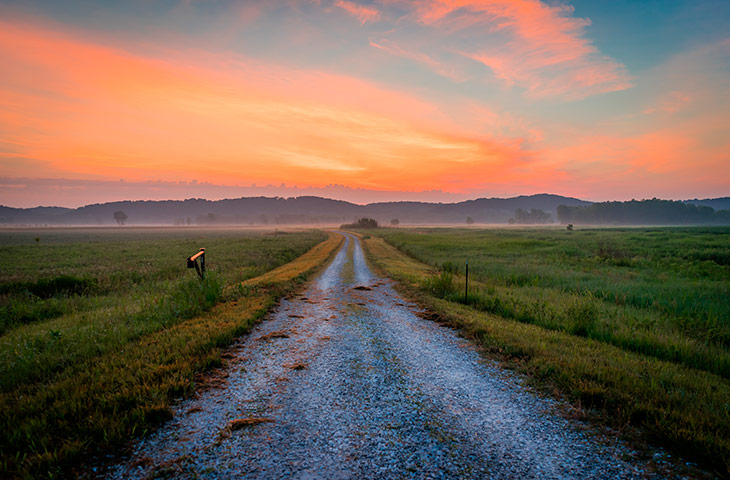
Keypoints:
pixel 631 324
pixel 100 329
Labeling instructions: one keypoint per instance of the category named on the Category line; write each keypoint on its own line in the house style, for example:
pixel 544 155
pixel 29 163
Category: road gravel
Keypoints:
pixel 346 380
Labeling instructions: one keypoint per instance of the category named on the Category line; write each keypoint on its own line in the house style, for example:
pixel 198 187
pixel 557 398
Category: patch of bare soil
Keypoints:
pixel 276 334
pixel 240 423
pixel 296 366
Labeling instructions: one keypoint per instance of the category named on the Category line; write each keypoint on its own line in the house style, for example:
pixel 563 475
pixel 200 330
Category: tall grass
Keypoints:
pixel 653 291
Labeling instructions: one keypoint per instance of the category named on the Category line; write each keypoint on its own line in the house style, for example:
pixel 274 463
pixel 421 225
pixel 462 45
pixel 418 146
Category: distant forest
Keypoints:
pixel 642 212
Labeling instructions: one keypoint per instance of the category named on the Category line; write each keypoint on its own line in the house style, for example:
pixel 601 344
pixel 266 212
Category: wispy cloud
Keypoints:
pixel 539 47
pixel 362 13
pixel 670 103
pixel 84 109
pixel 72 193
pixel 436 66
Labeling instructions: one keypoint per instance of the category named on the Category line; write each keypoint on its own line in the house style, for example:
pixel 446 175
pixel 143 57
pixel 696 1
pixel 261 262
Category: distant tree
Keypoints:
pixel 367 223
pixel 188 220
pixel 531 217
pixel 469 221
pixel 363 222
pixel 570 226
pixel 120 217
pixel 565 214
pixel 395 222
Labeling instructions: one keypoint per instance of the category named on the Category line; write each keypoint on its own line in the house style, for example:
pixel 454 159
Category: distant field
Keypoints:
pixel 659 294
pixel 101 328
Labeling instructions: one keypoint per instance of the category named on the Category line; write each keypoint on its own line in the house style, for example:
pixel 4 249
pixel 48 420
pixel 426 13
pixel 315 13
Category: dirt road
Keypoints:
pixel 347 381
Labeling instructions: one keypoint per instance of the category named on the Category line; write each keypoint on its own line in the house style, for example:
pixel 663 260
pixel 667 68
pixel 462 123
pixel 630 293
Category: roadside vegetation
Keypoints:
pixel 102 330
pixel 632 324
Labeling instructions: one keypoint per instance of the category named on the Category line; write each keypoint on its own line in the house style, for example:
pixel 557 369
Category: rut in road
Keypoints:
pixel 345 380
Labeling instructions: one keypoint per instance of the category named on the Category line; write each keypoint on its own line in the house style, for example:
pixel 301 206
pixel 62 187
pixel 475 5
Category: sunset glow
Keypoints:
pixel 467 97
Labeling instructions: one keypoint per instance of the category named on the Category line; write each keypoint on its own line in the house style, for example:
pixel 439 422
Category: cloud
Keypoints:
pixel 538 47
pixel 437 67
pixel 73 193
pixel 86 110
pixel 670 103
pixel 96 106
pixel 362 13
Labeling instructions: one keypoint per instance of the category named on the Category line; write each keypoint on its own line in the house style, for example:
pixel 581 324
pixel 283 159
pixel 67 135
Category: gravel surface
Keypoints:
pixel 345 380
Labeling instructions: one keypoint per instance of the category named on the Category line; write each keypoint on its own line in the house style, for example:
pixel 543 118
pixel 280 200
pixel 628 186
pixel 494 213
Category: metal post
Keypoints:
pixel 202 263
pixel 466 284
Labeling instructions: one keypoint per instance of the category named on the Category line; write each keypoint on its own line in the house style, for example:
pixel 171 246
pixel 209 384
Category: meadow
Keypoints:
pixel 631 324
pixel 101 329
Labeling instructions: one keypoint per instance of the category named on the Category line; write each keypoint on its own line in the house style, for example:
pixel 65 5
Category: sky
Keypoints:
pixel 430 100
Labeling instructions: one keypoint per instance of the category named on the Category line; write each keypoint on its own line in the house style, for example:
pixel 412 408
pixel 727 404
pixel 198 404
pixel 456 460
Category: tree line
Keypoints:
pixel 642 212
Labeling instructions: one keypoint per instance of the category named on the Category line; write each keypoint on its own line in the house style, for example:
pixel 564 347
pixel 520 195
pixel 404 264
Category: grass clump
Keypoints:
pixel 441 285
pixel 583 316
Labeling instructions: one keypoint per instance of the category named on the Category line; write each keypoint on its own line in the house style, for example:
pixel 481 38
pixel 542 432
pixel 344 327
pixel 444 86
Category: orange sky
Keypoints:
pixel 551 113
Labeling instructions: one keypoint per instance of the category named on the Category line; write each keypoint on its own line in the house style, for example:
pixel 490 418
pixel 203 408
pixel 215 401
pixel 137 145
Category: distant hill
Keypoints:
pixel 285 211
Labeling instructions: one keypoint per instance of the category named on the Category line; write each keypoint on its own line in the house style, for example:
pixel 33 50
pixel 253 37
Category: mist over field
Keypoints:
pixel 264 211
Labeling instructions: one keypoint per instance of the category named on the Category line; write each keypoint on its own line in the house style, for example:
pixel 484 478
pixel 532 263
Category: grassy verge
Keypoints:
pixel 97 402
pixel 684 409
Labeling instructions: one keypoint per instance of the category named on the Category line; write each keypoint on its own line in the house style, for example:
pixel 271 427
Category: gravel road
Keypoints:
pixel 345 380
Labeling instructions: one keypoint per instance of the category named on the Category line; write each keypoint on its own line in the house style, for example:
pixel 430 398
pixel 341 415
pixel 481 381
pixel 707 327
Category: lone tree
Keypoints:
pixel 395 222
pixel 120 217
pixel 469 220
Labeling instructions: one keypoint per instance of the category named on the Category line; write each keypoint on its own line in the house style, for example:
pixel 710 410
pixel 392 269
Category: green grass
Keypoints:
pixel 106 365
pixel 659 292
pixel 631 323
